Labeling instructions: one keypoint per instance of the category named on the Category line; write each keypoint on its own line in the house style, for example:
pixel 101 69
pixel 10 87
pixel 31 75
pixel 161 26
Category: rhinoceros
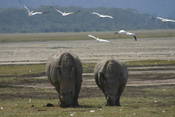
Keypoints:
pixel 111 77
pixel 64 72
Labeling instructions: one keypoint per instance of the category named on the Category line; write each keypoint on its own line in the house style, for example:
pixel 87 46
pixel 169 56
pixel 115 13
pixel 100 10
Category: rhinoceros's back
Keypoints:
pixel 61 66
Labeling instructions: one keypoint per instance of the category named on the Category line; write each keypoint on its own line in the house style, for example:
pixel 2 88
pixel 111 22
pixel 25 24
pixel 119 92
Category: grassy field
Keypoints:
pixel 140 101
pixel 39 69
pixel 81 35
pixel 156 101
pixel 150 62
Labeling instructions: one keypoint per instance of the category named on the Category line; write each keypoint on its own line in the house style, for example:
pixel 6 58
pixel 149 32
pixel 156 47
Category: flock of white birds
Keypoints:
pixel 121 32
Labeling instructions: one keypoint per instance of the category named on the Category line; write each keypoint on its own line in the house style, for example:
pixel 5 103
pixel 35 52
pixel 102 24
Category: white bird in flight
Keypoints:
pixel 98 39
pixel 127 33
pixel 31 13
pixel 102 16
pixel 165 19
pixel 64 13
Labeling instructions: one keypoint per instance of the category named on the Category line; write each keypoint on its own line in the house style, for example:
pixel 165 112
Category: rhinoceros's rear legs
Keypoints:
pixel 76 98
pixel 77 88
pixel 120 91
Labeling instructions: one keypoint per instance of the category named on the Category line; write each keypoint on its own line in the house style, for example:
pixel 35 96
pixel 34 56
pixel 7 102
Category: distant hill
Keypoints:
pixel 157 7
pixel 14 20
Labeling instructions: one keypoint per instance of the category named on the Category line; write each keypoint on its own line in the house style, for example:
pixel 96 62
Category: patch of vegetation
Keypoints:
pixel 11 81
pixel 88 67
pixel 150 62
pixel 136 102
pixel 42 37
pixel 20 70
pixel 155 33
pixel 33 69
pixel 81 35
pixel 39 69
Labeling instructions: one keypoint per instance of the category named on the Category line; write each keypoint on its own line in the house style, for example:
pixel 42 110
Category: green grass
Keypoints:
pixel 88 67
pixel 150 101
pixel 136 102
pixel 150 62
pixel 81 35
pixel 40 37
pixel 155 33
pixel 20 70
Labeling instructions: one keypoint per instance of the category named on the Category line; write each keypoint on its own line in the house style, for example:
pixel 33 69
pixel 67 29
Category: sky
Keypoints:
pixel 155 7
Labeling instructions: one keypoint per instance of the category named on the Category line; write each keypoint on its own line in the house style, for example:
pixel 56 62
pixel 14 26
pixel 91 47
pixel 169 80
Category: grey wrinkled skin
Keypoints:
pixel 111 77
pixel 64 72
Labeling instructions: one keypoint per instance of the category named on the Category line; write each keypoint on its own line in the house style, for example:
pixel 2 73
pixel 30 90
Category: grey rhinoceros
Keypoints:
pixel 111 77
pixel 64 72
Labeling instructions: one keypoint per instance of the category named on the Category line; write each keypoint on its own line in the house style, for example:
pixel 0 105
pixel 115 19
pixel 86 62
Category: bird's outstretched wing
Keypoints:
pixel 92 37
pixel 108 16
pixel 96 13
pixel 160 18
pixel 170 20
pixel 69 13
pixel 103 40
pixel 130 34
pixel 102 16
pixel 37 13
pixel 165 19
pixel 122 32
pixel 98 39
pixel 59 11
pixel 28 10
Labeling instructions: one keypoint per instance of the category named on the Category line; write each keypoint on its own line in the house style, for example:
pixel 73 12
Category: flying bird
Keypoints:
pixel 165 19
pixel 127 33
pixel 102 16
pixel 98 39
pixel 31 13
pixel 66 13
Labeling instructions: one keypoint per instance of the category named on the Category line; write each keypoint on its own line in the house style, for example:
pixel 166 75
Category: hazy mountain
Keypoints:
pixel 13 20
pixel 157 7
